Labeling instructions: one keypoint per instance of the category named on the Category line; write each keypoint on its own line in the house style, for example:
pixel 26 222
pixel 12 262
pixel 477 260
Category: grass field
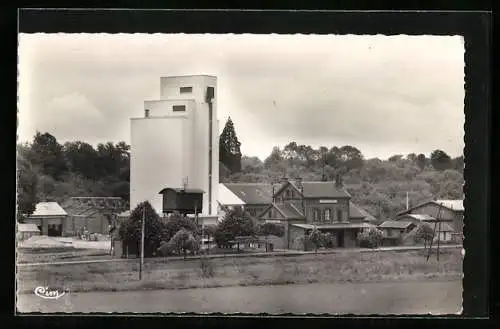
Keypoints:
pixel 321 268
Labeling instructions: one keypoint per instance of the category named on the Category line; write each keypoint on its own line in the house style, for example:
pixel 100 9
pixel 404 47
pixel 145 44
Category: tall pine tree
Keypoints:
pixel 229 148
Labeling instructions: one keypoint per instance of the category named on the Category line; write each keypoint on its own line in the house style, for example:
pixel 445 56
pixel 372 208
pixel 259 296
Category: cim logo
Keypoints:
pixel 47 293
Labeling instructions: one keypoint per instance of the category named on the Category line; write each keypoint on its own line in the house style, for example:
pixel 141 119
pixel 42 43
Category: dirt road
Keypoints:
pixel 436 297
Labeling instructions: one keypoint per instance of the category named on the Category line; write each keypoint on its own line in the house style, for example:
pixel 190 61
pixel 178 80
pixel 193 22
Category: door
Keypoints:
pixel 340 238
pixel 55 230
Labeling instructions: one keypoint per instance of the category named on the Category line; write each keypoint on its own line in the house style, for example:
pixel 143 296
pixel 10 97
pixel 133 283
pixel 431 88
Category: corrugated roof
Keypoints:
pixel 226 197
pixel 334 226
pixel 47 209
pixel 395 224
pixel 457 205
pixel 88 206
pixel 27 228
pixel 421 217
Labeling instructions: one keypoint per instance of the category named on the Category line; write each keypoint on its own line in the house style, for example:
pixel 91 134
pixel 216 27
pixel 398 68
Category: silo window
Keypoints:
pixel 179 108
pixel 185 90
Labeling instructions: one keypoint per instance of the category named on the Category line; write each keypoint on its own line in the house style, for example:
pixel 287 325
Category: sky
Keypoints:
pixel 385 95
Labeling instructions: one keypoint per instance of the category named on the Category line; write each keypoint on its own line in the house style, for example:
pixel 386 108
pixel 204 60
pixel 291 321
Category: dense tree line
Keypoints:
pixel 50 171
pixel 379 186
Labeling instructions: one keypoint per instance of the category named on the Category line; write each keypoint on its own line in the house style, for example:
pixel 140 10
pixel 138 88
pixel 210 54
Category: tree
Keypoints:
pixel 229 148
pixel 395 158
pixel 154 236
pixel 440 160
pixel 251 165
pixel 350 157
pixel 412 157
pixel 81 158
pixel 424 232
pixel 421 161
pixel 48 155
pixel 176 222
pixel 235 223
pixel 182 242
pixel 458 163
pixel 316 239
pixel 274 158
pixel 27 181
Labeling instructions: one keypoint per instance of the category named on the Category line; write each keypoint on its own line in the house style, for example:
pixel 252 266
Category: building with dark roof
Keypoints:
pixel 303 205
pixel 49 217
pixel 95 214
pixel 449 212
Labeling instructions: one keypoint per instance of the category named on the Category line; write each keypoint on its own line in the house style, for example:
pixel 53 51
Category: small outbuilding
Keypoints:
pixel 26 231
pixel 182 200
pixel 49 217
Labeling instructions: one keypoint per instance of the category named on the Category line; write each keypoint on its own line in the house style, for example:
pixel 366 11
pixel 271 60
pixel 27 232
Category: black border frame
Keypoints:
pixel 474 26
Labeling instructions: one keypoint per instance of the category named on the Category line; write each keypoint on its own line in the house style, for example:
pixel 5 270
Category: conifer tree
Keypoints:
pixel 229 148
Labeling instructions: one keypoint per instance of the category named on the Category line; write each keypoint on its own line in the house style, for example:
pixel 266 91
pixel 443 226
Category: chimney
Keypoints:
pixel 338 181
pixel 146 113
pixel 283 180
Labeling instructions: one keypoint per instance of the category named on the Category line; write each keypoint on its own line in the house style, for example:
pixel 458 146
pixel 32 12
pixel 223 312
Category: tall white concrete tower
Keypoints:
pixel 177 141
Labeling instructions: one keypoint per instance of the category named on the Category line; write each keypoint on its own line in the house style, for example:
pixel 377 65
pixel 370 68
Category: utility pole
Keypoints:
pixel 434 232
pixel 143 227
pixel 439 237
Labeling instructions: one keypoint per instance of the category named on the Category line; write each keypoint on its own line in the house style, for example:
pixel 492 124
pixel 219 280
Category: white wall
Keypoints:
pixel 164 107
pixel 179 150
pixel 157 157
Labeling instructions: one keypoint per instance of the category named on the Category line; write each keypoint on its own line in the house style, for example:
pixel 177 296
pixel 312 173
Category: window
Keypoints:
pixel 316 215
pixel 185 90
pixel 288 194
pixel 327 215
pixel 389 232
pixel 179 108
pixel 339 215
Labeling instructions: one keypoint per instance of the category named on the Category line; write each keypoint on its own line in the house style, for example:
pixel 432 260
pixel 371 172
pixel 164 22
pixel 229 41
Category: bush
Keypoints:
pixel 235 223
pixel 182 242
pixel 329 240
pixel 370 238
pixel 316 238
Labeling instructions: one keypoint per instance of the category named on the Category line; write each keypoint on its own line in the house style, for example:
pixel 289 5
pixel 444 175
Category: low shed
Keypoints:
pixel 25 231
pixel 49 217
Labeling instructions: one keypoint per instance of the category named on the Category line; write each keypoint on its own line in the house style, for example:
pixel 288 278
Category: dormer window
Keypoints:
pixel 186 90
pixel 179 108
